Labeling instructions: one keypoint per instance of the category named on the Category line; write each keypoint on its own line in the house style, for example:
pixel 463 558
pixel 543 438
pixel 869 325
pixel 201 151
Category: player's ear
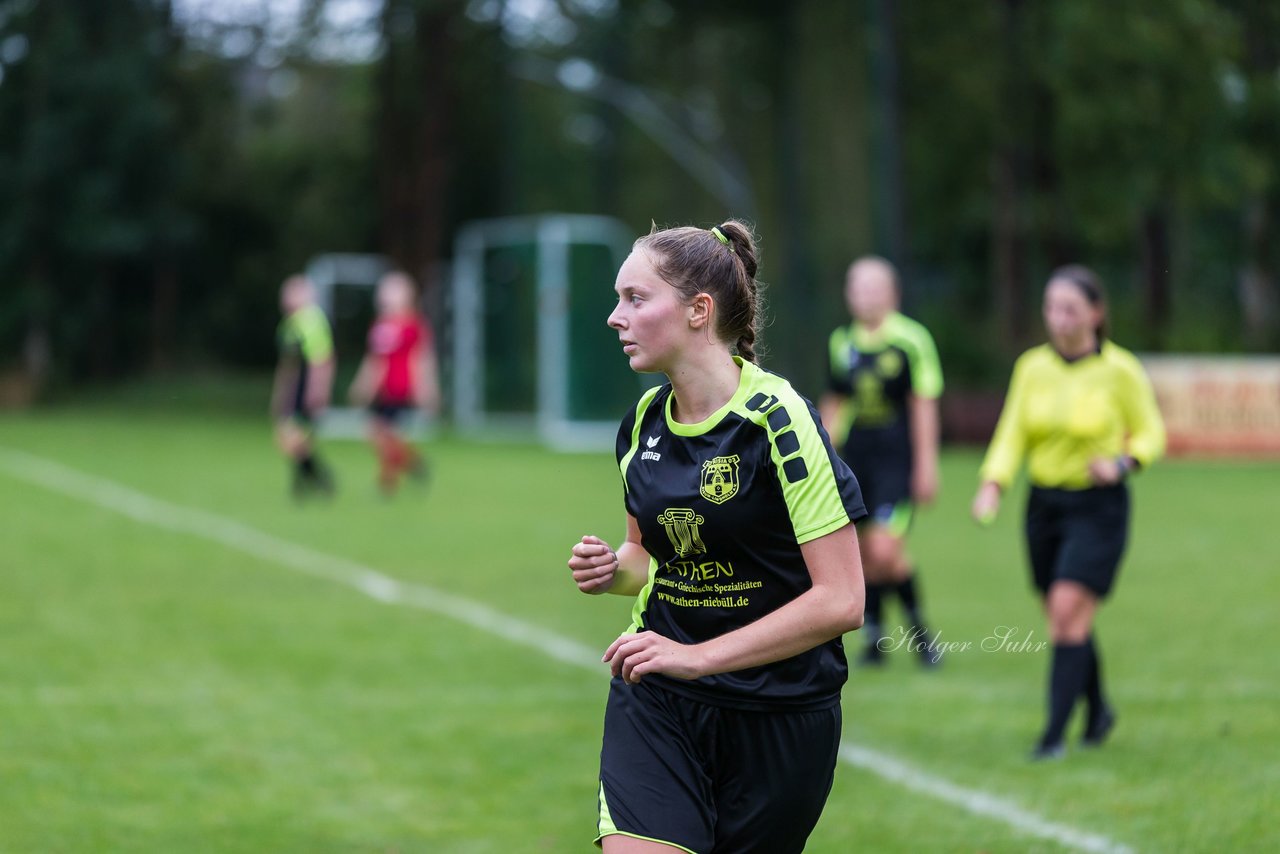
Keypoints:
pixel 700 311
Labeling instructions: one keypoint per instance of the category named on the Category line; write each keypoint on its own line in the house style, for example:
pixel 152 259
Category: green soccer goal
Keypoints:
pixel 532 352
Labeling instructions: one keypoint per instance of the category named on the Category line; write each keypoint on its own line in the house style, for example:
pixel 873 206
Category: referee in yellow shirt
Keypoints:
pixel 1082 413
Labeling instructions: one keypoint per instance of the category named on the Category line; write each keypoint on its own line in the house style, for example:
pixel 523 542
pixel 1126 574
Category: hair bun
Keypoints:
pixel 720 261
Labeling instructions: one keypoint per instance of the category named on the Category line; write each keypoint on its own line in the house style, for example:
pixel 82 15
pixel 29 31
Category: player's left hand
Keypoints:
pixel 632 656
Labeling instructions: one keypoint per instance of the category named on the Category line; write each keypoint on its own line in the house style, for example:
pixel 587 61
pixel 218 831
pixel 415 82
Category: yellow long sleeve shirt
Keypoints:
pixel 1060 415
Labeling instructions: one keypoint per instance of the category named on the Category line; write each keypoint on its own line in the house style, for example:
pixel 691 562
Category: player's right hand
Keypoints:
pixel 594 565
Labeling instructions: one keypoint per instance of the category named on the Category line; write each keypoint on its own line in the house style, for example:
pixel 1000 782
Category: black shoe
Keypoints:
pixel 299 485
pixel 1048 752
pixel 1098 728
pixel 930 657
pixel 317 482
pixel 323 483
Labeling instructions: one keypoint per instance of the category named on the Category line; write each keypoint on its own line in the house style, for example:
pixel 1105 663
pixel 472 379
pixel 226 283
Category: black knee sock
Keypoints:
pixel 309 470
pixel 910 598
pixel 1093 684
pixel 1067 678
pixel 306 464
pixel 873 612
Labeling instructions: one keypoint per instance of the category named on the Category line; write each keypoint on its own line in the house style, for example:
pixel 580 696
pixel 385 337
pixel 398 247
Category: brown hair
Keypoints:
pixel 697 261
pixel 1088 283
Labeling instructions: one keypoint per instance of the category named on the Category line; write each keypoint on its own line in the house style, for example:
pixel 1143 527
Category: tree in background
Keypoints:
pixel 417 101
pixel 1140 120
pixel 773 94
pixel 164 184
pixel 1108 135
pixel 89 161
pixel 1254 89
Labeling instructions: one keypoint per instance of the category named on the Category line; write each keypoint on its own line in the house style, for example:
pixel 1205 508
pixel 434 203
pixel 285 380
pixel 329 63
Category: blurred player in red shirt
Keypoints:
pixel 399 374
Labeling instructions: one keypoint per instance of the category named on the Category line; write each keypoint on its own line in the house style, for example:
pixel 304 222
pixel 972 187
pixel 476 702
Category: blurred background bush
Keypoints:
pixel 165 163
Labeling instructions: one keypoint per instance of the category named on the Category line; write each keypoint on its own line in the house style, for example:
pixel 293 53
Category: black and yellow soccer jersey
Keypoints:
pixel 723 507
pixel 305 336
pixel 1061 414
pixel 305 339
pixel 877 371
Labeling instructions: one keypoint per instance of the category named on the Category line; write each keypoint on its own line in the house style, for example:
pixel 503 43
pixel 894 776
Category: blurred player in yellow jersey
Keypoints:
pixel 1081 411
pixel 881 411
pixel 303 382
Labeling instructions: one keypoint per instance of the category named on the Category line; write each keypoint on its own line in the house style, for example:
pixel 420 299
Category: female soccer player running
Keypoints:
pixel 1082 412
pixel 723 720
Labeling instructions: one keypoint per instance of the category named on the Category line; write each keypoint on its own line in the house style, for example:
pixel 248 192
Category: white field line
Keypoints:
pixel 976 801
pixel 243 538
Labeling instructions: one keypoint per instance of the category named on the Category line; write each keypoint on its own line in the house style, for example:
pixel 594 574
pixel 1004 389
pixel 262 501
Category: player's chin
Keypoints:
pixel 641 365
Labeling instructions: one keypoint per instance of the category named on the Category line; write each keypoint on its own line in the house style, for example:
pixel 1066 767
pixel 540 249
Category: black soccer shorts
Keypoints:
pixel 1077 535
pixel 885 481
pixel 711 779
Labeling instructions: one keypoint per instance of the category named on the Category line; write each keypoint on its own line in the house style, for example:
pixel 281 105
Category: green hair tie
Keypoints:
pixel 720 236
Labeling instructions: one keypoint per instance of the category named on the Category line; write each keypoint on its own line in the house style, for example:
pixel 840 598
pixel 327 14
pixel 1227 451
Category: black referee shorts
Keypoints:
pixel 1077 535
pixel 710 779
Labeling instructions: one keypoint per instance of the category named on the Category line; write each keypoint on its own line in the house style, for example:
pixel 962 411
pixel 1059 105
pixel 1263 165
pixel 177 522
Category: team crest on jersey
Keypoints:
pixel 889 363
pixel 681 525
pixel 720 479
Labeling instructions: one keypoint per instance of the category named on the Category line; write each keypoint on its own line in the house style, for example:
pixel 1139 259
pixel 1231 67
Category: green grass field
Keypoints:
pixel 164 691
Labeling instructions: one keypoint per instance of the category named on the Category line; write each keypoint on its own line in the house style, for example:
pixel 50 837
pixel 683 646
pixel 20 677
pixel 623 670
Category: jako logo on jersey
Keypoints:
pixel 651 454
pixel 720 479
pixel 681 525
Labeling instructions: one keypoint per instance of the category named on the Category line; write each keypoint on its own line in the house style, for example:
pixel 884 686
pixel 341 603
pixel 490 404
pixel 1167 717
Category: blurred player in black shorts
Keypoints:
pixel 303 382
pixel 881 410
